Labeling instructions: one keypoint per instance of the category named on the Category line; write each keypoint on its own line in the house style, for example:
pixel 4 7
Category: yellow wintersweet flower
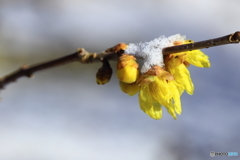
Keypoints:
pixel 158 88
pixel 181 74
pixel 194 57
pixel 127 69
pixel 177 65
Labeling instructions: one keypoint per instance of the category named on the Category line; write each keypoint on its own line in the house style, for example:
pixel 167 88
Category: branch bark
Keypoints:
pixel 228 39
pixel 80 55
pixel 83 56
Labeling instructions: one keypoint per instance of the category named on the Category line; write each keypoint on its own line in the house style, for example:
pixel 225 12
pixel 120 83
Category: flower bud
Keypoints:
pixel 104 73
pixel 127 68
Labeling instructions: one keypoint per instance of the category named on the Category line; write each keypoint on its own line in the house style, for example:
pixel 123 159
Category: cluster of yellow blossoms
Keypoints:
pixel 160 85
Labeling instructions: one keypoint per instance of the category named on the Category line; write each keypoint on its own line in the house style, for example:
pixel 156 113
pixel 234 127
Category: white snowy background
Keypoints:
pixel 63 114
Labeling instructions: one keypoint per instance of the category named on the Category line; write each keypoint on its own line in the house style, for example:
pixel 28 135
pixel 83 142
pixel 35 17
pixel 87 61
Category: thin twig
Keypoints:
pixel 80 55
pixel 228 39
pixel 83 56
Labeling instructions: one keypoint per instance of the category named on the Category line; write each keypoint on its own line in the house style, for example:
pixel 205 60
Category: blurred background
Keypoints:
pixel 62 113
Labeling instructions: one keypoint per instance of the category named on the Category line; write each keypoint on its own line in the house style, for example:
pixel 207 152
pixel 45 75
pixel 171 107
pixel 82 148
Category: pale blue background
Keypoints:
pixel 63 114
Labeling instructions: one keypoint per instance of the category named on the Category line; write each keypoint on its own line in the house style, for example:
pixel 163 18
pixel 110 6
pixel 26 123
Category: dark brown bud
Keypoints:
pixel 104 73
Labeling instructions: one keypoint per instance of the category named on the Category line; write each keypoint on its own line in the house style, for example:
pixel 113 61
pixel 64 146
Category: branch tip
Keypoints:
pixel 235 38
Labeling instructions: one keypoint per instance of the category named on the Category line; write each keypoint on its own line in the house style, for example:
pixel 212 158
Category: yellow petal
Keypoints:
pixel 148 104
pixel 129 88
pixel 176 96
pixel 197 58
pixel 160 91
pixel 181 75
pixel 171 111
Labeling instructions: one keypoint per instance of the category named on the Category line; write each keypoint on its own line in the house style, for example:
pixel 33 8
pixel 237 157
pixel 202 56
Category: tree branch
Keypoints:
pixel 80 55
pixel 83 56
